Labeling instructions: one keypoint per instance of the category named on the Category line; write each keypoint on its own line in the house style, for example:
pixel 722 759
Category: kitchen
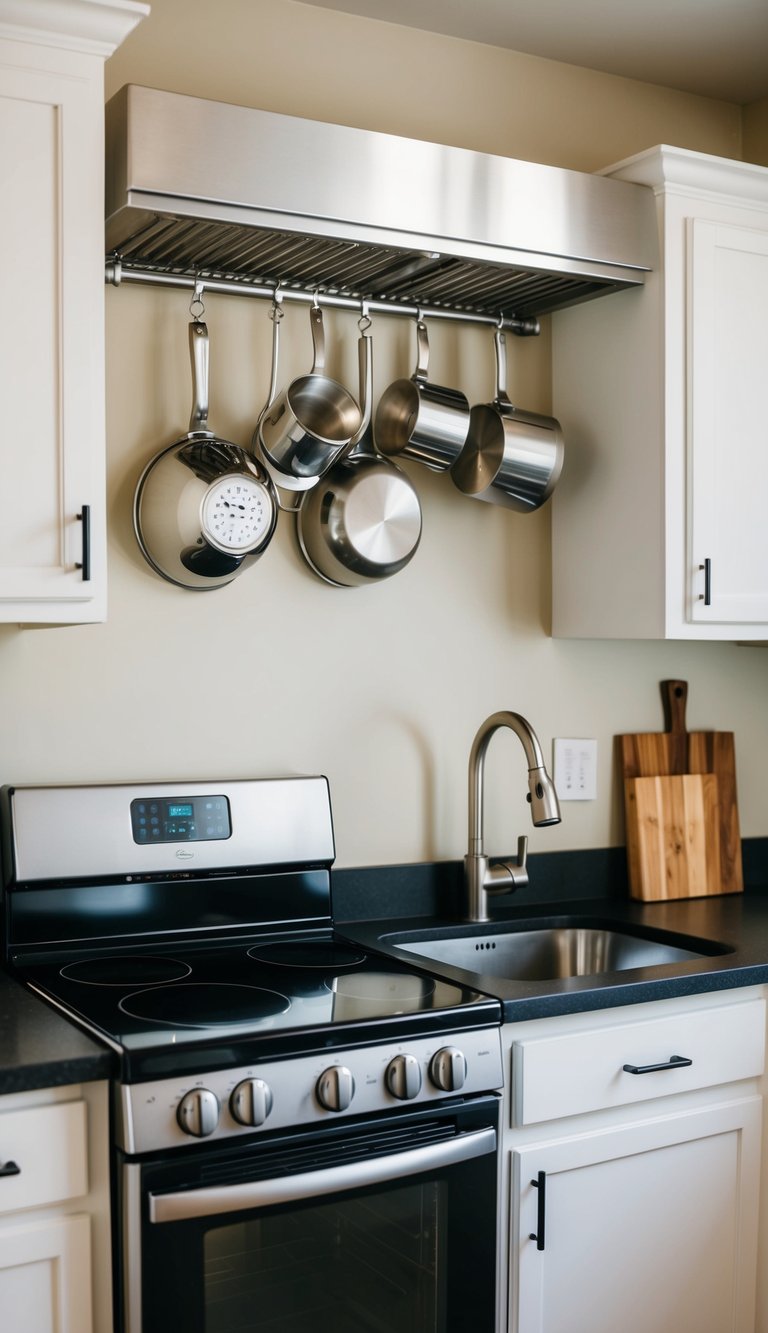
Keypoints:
pixel 389 725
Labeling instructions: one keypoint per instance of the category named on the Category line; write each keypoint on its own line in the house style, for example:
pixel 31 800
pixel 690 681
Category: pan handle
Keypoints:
pixel 199 355
pixel 318 339
pixel 365 358
pixel 422 352
pixel 501 367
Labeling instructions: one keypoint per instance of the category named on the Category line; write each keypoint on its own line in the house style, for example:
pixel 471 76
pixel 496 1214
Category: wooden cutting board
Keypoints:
pixel 676 753
pixel 673 835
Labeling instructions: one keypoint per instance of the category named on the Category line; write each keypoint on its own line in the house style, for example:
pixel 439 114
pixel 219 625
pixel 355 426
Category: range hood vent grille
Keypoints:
pixel 236 196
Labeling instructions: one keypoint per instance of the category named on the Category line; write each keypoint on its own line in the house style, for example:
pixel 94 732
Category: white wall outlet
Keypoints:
pixel 576 769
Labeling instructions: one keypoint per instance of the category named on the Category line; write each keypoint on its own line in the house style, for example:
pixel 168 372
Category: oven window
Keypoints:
pixel 367 1264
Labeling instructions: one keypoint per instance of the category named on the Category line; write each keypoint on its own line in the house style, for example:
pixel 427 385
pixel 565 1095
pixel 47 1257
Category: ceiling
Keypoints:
pixel 716 48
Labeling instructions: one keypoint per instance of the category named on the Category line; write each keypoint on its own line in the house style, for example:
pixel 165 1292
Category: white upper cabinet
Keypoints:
pixel 52 502
pixel 658 521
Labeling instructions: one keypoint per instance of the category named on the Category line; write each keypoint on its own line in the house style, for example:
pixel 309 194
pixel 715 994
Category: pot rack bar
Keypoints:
pixel 117 271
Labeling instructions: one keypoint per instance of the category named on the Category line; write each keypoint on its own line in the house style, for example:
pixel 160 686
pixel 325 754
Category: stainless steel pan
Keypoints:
pixel 204 510
pixel 303 430
pixel 511 457
pixel 423 421
pixel 362 522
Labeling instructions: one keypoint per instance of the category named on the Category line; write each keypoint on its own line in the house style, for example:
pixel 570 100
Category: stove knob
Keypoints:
pixel 251 1102
pixel 403 1077
pixel 448 1069
pixel 336 1088
pixel 198 1113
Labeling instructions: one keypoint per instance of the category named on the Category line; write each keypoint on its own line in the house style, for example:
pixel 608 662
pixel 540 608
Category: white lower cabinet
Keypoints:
pixel 45 1276
pixel 646 1227
pixel 640 1212
pixel 55 1249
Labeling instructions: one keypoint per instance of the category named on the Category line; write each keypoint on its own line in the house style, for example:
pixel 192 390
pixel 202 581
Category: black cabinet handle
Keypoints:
pixel 707 567
pixel 10 1169
pixel 540 1184
pixel 85 564
pixel 674 1062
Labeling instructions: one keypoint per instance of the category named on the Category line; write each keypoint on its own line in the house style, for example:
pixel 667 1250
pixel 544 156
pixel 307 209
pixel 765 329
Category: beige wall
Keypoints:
pixel 381 688
pixel 755 132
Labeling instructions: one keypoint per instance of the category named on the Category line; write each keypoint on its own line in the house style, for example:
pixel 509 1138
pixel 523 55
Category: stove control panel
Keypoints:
pixel 180 819
pixel 280 1094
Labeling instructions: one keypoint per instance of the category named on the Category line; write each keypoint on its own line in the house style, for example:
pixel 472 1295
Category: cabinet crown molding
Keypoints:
pixel 681 170
pixel 93 26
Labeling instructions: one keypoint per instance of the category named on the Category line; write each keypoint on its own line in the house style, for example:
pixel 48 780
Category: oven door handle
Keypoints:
pixel 353 1175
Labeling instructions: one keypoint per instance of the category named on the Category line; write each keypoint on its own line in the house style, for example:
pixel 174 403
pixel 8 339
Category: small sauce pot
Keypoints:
pixel 511 457
pixel 304 429
pixel 419 420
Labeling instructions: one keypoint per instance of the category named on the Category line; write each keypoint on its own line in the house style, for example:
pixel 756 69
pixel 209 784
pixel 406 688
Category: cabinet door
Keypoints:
pixel 727 460
pixel 651 1226
pixel 45 1276
pixel 51 335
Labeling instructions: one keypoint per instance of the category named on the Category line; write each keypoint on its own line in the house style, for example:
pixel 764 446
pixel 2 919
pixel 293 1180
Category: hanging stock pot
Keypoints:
pixel 362 522
pixel 204 509
pixel 511 457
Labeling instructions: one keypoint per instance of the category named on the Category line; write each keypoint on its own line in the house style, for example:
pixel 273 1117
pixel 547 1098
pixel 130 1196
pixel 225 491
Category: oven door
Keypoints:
pixel 382 1225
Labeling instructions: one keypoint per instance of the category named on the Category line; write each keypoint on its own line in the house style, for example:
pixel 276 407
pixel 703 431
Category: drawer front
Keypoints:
pixel 48 1145
pixel 584 1071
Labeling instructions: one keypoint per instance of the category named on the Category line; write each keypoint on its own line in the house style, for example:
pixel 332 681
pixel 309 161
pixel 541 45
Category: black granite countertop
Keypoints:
pixel 41 1049
pixel 737 922
pixel 585 888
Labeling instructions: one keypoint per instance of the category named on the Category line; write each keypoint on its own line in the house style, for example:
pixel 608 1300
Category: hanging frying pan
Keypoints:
pixel 362 522
pixel 204 509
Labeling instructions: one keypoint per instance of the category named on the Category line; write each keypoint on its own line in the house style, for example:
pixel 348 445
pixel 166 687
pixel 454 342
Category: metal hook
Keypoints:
pixel 197 305
pixel 500 322
pixel 364 322
pixel 316 299
pixel 276 312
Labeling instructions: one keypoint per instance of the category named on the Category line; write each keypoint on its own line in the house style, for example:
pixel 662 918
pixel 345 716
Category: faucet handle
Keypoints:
pixel 504 875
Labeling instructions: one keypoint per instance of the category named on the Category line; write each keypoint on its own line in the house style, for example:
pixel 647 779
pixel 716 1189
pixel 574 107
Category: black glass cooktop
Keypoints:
pixel 210 1004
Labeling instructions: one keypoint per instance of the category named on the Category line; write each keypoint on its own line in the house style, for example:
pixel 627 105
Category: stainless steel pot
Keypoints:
pixel 362 523
pixel 419 420
pixel 204 510
pixel 511 457
pixel 303 430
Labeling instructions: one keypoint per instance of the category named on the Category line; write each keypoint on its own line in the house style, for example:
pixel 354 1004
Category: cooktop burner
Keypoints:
pixel 325 954
pixel 202 1005
pixel 124 970
pixel 211 943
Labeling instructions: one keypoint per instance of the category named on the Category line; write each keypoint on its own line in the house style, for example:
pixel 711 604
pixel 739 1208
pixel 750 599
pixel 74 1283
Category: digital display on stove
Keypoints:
pixel 180 819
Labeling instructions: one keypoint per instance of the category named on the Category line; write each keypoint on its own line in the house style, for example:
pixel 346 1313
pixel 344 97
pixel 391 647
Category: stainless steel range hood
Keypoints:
pixel 235 195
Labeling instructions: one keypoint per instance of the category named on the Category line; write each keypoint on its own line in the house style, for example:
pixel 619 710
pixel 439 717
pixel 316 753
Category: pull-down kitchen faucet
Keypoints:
pixel 482 876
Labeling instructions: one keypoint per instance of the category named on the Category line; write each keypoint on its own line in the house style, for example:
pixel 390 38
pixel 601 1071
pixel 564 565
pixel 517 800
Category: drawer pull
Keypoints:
pixel 540 1184
pixel 674 1062
pixel 10 1169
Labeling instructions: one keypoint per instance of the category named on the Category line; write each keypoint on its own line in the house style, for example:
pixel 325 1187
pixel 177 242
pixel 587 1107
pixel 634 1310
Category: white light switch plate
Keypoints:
pixel 576 769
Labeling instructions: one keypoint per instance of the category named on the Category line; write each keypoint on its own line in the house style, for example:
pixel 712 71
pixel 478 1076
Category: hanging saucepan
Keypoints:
pixel 419 420
pixel 511 457
pixel 204 509
pixel 303 430
pixel 362 522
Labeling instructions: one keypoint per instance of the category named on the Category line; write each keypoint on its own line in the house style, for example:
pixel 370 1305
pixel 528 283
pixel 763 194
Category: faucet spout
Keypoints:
pixel 483 877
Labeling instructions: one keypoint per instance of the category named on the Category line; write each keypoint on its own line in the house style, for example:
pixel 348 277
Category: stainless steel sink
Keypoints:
pixel 547 953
